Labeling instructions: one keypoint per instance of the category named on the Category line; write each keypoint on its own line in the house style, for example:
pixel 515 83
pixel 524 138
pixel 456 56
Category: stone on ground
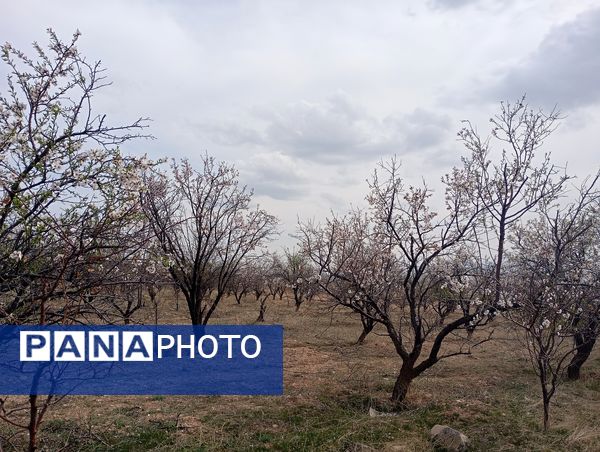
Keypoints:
pixel 448 439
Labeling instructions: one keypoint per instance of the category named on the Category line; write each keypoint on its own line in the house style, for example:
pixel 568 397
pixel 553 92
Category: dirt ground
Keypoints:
pixel 329 384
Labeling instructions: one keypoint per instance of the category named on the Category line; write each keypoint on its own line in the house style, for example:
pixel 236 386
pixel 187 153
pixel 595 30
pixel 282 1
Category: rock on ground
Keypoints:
pixel 446 438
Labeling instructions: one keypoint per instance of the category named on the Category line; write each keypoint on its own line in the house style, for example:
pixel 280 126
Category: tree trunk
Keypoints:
pixel 297 299
pixel 470 330
pixel 546 394
pixel 498 270
pixel 362 337
pixel 32 427
pixel 367 328
pixel 140 298
pixel 34 422
pixel 546 401
pixel 197 318
pixel 196 314
pixel 261 314
pixel 585 344
pixel 194 301
pixel 402 385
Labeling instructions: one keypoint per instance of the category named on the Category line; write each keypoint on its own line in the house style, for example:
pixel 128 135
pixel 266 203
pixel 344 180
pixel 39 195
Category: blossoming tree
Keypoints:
pixel 510 185
pixel 65 187
pixel 68 195
pixel 395 264
pixel 385 265
pixel 555 281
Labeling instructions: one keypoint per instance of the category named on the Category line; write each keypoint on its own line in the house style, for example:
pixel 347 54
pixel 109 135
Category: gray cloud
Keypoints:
pixel 227 77
pixel 563 70
pixel 338 130
pixel 323 132
pixel 419 130
pixel 229 133
pixel 335 130
pixel 274 175
pixel 449 4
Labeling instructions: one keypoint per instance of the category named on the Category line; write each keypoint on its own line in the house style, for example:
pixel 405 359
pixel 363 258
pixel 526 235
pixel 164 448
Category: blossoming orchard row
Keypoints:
pixel 86 230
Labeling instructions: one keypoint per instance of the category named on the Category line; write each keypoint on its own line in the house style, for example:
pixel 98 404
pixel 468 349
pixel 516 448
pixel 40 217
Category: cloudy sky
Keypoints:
pixel 305 97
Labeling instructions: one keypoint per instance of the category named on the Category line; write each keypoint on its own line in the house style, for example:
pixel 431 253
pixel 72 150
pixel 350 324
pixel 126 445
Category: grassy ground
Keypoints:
pixel 330 384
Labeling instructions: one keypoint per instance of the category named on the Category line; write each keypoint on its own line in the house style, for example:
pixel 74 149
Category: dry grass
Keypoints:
pixel 330 383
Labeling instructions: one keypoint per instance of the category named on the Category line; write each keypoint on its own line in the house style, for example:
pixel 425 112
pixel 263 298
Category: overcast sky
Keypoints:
pixel 305 97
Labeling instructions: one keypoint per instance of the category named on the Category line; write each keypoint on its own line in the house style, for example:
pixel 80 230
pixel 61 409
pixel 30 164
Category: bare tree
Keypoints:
pixel 275 281
pixel 240 283
pixel 123 295
pixel 297 271
pixel 204 223
pixel 259 273
pixel 279 276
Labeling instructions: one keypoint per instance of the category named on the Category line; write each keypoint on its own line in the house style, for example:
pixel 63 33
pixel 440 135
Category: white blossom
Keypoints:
pixel 16 255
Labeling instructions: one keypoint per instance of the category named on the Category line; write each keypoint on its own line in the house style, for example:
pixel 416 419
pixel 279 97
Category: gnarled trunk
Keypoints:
pixel 585 344
pixel 297 299
pixel 368 325
pixel 263 309
pixel 239 295
pixel 402 385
